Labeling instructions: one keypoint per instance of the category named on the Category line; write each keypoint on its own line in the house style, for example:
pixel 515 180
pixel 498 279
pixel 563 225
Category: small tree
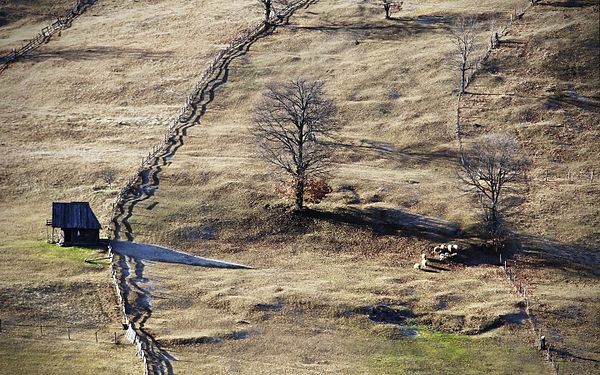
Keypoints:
pixel 492 166
pixel 463 36
pixel 290 125
pixel 391 5
pixel 109 176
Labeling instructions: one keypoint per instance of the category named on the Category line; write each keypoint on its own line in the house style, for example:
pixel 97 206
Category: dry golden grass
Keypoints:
pixel 22 20
pixel 93 98
pixel 217 189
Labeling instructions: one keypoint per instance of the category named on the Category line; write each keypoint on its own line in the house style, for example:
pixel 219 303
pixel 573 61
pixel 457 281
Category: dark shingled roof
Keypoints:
pixel 74 215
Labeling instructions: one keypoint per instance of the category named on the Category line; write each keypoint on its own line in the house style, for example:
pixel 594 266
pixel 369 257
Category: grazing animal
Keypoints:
pixel 445 247
pixel 423 261
pixel 417 266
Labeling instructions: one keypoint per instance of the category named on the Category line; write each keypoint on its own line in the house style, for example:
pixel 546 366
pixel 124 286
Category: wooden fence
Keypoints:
pixel 66 332
pixel 509 268
pixel 495 41
pixel 46 33
pixel 242 38
pixel 133 335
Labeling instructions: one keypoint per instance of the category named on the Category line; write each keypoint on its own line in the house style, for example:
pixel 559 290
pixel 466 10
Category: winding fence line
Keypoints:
pixel 495 39
pixel 46 33
pixel 480 61
pixel 536 324
pixel 143 184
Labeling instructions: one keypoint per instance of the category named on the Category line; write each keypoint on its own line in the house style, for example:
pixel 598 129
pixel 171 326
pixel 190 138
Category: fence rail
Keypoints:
pixel 509 268
pixel 134 335
pixel 495 40
pixel 45 34
pixel 53 332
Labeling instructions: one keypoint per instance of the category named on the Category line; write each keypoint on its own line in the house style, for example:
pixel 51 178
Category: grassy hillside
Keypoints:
pixel 93 98
pixel 394 88
pixel 103 93
pixel 23 19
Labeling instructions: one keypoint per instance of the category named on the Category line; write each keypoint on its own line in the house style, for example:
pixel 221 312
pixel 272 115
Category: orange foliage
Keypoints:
pixel 315 189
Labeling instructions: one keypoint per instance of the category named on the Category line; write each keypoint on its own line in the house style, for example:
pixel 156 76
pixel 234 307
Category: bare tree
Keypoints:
pixel 109 176
pixel 291 124
pixel 391 5
pixel 491 167
pixel 463 36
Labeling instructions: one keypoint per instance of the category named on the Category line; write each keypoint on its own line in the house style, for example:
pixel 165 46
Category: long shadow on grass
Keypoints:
pixel 95 53
pixel 385 150
pixel 393 31
pixel 570 3
pixel 544 252
pixel 556 100
pixel 392 221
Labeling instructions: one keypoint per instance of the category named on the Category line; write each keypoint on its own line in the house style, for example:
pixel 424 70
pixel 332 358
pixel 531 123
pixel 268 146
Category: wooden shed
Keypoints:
pixel 77 223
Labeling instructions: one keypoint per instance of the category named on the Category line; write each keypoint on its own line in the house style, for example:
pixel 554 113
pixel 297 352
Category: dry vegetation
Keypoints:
pixel 95 97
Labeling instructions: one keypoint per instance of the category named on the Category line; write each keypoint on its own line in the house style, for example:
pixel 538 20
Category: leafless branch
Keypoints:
pixel 291 124
pixel 492 166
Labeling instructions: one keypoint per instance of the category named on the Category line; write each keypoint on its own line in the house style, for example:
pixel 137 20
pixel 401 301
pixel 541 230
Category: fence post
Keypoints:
pixel 41 330
pixel 592 176
pixel 69 333
pixel 115 337
pixel 542 342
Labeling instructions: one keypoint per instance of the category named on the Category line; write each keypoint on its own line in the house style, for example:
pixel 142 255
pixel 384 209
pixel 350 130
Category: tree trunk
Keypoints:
pixel 299 194
pixel 463 78
pixel 458 129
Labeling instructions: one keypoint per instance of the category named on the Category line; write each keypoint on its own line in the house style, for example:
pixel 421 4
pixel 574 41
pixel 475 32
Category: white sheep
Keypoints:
pixel 423 261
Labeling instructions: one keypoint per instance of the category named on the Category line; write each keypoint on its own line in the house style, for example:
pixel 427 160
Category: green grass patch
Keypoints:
pixel 444 353
pixel 73 254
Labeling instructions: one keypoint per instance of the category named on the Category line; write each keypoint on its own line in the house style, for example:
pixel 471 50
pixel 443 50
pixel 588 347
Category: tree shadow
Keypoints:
pixel 569 3
pixel 407 27
pixel 567 97
pixel 95 53
pixel 390 221
pixel 544 252
pixel 385 150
